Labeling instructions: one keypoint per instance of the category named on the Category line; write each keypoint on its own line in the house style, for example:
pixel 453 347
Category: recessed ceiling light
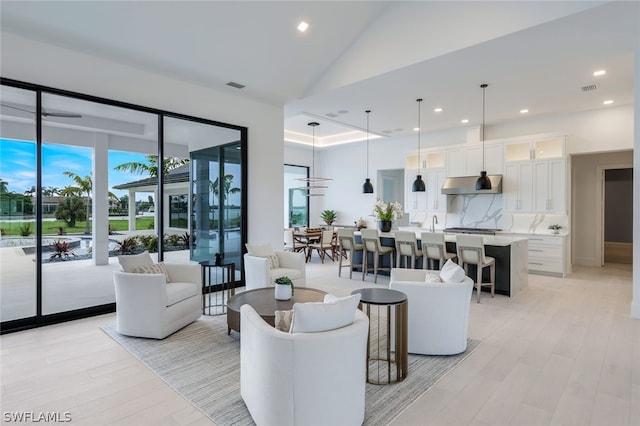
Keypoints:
pixel 524 111
pixel 599 73
pixel 465 121
pixel 608 102
pixel 415 129
pixel 302 26
pixel 437 109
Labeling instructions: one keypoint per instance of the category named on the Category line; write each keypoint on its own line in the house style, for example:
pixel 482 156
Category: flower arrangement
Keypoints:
pixel 387 212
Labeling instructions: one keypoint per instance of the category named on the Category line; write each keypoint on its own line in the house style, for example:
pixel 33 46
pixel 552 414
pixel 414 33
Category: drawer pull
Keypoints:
pixel 535 263
pixel 536 250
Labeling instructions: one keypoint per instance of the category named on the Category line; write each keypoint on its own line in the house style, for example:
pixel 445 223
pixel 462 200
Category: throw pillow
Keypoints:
pixel 130 262
pixel 283 320
pixel 432 277
pixel 451 272
pixel 314 317
pixel 266 251
pixel 156 268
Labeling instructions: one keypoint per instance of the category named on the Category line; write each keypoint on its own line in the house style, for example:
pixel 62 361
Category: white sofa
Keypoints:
pixel 257 273
pixel 438 312
pixel 148 306
pixel 303 379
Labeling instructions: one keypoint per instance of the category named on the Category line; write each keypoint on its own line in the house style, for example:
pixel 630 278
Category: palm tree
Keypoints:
pixel 227 190
pixel 84 187
pixel 151 166
pixel 4 186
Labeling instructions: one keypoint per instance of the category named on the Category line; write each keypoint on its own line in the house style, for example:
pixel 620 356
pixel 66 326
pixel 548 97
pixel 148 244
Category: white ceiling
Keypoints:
pixel 362 55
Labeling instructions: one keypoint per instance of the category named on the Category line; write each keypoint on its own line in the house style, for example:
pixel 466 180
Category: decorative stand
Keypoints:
pixel 217 286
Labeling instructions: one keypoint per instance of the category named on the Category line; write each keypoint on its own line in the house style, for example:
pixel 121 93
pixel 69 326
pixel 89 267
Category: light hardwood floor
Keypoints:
pixel 563 352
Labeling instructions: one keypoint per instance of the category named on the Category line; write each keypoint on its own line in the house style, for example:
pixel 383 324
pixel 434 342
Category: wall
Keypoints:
pixel 23 59
pixel 586 203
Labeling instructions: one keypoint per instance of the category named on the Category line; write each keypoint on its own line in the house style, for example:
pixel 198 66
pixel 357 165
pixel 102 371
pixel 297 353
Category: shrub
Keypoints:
pixel 128 245
pixel 70 210
pixel 61 250
pixel 25 229
pixel 149 242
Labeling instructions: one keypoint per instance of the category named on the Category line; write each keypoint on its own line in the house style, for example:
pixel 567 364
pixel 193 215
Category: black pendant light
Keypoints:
pixel 418 184
pixel 483 181
pixel 367 187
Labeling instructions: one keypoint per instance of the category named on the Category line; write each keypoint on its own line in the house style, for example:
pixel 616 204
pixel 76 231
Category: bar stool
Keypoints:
pixel 371 242
pixel 471 252
pixel 434 248
pixel 407 247
pixel 347 243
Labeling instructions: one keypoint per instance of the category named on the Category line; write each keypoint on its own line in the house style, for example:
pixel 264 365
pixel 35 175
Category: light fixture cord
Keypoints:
pixel 483 154
pixel 419 130
pixel 368 111
pixel 313 149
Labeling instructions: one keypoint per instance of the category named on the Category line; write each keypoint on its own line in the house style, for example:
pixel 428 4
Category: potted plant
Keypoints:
pixel 284 288
pixel 386 213
pixel 329 216
pixel 555 228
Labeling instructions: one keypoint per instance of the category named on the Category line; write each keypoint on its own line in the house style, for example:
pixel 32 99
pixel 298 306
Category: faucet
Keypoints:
pixel 434 220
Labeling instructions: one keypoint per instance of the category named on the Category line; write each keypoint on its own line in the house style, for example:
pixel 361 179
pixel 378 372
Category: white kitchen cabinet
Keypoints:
pixel 456 162
pixel 536 149
pixel 547 255
pixel 468 161
pixel 549 186
pixel 518 187
pixel 436 201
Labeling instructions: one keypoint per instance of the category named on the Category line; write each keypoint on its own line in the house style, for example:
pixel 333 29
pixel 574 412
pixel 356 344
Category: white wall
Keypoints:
pixel 35 62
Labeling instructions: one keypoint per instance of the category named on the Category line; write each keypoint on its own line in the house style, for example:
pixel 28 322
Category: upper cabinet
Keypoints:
pixel 468 161
pixel 432 166
pixel 537 149
pixel 535 176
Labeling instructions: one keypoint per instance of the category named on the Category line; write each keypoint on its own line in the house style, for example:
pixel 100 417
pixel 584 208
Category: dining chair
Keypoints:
pixel 434 249
pixel 407 248
pixel 471 252
pixel 371 243
pixel 347 244
pixel 291 243
pixel 323 246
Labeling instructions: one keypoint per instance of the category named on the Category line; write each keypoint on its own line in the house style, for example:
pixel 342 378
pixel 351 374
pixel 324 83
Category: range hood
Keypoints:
pixel 467 185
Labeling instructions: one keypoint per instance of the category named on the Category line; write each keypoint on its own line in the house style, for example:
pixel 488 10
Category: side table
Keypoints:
pixel 380 334
pixel 217 286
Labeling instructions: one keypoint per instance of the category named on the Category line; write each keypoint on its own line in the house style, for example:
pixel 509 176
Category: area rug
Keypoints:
pixel 202 363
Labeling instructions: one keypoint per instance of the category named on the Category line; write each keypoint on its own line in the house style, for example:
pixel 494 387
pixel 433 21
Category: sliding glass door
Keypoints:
pixel 84 180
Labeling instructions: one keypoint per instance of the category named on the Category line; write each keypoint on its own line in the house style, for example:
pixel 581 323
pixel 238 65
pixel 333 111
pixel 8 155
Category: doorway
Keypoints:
pixel 618 215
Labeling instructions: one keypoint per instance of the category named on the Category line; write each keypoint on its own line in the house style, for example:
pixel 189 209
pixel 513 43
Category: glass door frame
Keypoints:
pixel 41 320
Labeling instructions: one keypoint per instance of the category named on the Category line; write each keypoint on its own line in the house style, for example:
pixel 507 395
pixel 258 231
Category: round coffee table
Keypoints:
pixel 264 302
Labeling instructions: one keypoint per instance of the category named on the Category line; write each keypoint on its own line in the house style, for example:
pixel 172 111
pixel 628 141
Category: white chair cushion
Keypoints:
pixel 130 262
pixel 432 277
pixel 177 292
pixel 451 272
pixel 313 317
pixel 156 268
pixel 266 251
pixel 281 272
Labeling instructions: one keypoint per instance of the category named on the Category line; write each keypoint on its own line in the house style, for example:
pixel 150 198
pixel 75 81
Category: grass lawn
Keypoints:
pixel 51 228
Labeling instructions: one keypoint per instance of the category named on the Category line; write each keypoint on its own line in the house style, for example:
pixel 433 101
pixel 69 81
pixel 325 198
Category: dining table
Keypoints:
pixel 306 237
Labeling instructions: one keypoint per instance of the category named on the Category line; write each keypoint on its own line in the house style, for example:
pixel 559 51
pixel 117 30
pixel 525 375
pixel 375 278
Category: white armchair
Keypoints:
pixel 438 312
pixel 257 273
pixel 148 306
pixel 303 378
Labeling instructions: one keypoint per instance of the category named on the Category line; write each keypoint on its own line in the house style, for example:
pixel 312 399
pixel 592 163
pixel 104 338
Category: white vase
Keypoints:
pixel 283 291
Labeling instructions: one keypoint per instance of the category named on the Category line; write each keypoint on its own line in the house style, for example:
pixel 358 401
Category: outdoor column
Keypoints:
pixel 132 210
pixel 635 300
pixel 100 200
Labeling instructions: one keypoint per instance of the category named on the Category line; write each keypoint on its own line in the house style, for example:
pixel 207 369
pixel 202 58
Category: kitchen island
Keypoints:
pixel 510 253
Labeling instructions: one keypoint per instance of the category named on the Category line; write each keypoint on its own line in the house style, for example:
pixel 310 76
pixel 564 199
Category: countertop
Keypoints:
pixel 489 240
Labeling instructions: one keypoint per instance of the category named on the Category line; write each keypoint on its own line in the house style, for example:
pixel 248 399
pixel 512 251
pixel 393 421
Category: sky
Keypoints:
pixel 18 166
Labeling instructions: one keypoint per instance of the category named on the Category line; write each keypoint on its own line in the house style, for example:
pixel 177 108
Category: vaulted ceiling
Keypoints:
pixel 358 55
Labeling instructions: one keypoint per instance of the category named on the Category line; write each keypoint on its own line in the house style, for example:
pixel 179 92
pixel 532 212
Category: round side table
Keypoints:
pixel 380 334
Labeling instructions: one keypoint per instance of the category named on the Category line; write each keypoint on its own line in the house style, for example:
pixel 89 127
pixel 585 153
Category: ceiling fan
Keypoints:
pixel 45 113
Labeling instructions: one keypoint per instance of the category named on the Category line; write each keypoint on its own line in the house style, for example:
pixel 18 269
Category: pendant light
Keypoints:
pixel 367 187
pixel 483 181
pixel 418 184
pixel 314 181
